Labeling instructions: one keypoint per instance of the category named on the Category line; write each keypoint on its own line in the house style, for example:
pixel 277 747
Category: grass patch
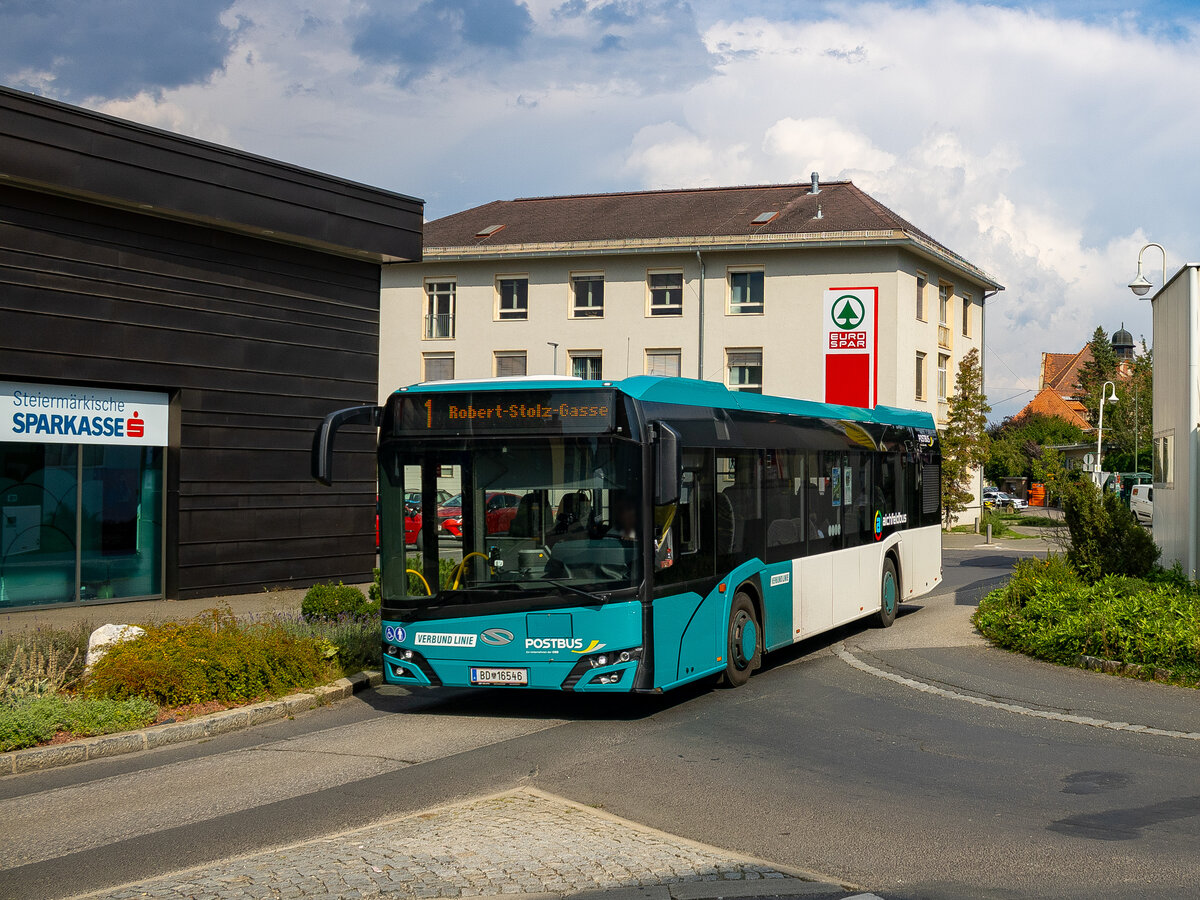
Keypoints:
pixel 1049 612
pixel 1033 520
pixel 1000 523
pixel 36 719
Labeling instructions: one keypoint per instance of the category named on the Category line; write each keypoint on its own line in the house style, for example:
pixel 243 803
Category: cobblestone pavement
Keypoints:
pixel 522 842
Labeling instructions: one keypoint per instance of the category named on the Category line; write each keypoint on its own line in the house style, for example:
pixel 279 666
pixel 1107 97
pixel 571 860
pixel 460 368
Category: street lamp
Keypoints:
pixel 554 350
pixel 1141 284
pixel 1104 398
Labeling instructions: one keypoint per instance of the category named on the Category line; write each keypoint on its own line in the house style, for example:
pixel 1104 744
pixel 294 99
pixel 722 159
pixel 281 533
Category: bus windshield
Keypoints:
pixel 527 516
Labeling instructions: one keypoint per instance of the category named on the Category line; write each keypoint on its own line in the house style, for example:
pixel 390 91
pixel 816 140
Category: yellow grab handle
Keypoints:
pixel 458 572
pixel 428 592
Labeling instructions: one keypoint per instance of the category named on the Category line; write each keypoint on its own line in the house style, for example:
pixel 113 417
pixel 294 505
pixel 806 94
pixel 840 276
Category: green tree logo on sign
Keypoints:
pixel 848 312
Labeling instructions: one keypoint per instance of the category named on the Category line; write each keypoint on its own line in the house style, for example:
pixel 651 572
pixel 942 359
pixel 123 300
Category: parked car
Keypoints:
pixel 1141 502
pixel 1002 500
pixel 499 510
pixel 989 497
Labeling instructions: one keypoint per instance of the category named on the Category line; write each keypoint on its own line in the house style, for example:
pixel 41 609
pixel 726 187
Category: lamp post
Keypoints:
pixel 1104 398
pixel 1141 284
pixel 554 350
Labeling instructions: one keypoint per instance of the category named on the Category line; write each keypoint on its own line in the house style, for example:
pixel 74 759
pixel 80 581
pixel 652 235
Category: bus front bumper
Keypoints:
pixel 520 650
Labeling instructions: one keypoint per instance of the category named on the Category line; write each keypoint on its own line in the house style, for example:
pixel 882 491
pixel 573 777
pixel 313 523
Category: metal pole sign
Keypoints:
pixel 851 342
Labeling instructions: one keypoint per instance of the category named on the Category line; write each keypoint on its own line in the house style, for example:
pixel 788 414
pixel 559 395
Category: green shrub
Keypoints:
pixel 329 601
pixel 210 658
pixel 1050 613
pixel 34 720
pixel 1105 537
pixel 355 639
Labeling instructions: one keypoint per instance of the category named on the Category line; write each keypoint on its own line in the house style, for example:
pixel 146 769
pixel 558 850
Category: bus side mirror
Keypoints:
pixel 668 465
pixel 322 447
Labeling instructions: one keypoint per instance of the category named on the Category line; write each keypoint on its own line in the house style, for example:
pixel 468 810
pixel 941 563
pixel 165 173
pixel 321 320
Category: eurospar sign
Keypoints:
pixel 851 346
pixel 61 414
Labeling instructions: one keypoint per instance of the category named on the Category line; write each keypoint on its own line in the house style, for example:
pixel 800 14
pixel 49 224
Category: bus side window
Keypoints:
pixel 782 473
pixel 741 534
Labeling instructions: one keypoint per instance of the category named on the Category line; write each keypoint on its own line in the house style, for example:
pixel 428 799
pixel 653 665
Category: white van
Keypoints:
pixel 1141 502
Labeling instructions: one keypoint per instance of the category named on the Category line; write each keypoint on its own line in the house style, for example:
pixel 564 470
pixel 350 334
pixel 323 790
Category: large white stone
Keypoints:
pixel 104 637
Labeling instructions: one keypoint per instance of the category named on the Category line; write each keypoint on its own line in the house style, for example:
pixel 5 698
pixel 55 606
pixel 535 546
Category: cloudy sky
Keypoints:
pixel 1046 142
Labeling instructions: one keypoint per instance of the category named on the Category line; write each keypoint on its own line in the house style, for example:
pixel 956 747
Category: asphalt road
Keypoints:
pixel 814 764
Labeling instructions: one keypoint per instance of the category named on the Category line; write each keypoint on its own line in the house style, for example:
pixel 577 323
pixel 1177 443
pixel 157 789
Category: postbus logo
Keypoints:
pixel 848 312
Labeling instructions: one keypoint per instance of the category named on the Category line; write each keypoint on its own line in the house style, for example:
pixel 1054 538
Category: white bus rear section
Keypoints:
pixel 831 589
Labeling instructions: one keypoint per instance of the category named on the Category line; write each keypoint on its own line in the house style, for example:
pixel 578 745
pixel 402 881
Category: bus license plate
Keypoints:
pixel 499 676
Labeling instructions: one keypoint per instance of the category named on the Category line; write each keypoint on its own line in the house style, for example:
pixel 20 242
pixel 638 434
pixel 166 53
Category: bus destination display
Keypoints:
pixel 553 412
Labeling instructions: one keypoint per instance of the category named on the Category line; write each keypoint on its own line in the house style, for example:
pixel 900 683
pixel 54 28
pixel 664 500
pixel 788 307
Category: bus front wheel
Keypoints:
pixel 743 651
pixel 889 594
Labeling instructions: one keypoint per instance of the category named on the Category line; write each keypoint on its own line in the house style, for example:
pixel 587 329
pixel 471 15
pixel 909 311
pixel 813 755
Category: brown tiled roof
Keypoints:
pixel 1048 402
pixel 671 215
pixel 1060 371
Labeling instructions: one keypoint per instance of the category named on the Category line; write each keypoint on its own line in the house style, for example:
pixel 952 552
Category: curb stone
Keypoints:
pixel 51 756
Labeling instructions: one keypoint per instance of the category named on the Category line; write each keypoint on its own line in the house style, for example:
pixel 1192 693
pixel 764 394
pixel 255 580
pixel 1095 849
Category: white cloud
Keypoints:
pixel 820 145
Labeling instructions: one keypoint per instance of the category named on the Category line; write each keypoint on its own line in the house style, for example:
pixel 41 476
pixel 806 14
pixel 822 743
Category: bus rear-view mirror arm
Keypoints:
pixel 668 461
pixel 322 448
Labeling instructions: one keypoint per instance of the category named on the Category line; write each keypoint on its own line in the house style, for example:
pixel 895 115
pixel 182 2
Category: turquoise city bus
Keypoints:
pixel 654 531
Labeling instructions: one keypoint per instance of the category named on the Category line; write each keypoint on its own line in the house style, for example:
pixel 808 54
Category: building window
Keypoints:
pixel 920 391
pixel 509 363
pixel 922 283
pixel 746 293
pixel 437 366
pixel 586 364
pixel 587 296
pixel 744 369
pixel 439 310
pixel 966 315
pixel 513 298
pixel 945 292
pixel 943 374
pixel 1164 462
pixel 666 294
pixel 663 362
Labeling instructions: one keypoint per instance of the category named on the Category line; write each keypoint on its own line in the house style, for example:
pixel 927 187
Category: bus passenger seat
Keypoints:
pixel 782 532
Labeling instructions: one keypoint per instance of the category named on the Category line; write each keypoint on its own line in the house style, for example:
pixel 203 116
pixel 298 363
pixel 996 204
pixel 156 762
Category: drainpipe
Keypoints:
pixel 1194 412
pixel 700 336
pixel 982 349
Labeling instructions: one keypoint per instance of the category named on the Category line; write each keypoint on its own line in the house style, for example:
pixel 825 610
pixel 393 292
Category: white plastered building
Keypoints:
pixel 725 284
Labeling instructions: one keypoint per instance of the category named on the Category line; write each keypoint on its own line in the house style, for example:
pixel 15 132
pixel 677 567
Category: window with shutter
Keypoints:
pixel 510 363
pixel 663 362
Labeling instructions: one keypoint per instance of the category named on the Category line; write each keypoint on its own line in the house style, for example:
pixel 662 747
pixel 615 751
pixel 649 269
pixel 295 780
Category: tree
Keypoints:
pixel 1132 410
pixel 1100 368
pixel 1019 445
pixel 965 442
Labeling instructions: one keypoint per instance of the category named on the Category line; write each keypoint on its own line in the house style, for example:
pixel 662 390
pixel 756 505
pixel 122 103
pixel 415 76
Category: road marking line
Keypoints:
pixel 847 657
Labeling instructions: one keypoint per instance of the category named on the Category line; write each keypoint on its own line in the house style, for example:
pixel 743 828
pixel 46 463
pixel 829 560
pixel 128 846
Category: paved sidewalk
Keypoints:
pixel 516 844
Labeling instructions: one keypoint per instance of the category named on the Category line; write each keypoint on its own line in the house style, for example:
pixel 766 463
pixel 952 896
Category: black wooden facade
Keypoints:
pixel 245 288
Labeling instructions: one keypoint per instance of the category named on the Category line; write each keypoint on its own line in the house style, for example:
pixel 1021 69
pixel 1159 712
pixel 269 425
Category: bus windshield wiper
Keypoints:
pixel 599 598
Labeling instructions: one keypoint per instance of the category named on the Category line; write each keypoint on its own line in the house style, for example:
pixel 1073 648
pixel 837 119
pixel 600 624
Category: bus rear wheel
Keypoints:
pixel 743 645
pixel 889 595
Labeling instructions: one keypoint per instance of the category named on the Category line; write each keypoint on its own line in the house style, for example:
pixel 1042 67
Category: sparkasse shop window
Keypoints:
pixel 82 497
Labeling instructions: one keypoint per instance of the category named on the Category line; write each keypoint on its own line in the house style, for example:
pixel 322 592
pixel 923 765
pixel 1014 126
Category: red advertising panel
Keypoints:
pixel 851 344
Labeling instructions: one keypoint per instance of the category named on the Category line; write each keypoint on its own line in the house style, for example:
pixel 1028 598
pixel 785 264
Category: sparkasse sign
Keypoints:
pixel 65 414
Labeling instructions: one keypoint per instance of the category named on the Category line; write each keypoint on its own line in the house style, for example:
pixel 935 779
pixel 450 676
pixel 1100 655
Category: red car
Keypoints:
pixel 500 510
